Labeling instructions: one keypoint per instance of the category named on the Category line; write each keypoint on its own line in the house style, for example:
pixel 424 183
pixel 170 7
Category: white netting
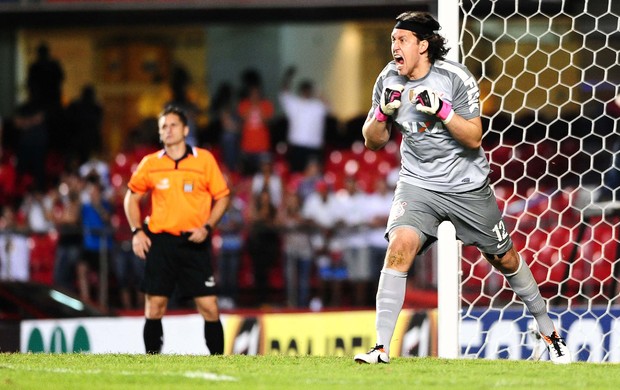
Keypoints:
pixel 549 76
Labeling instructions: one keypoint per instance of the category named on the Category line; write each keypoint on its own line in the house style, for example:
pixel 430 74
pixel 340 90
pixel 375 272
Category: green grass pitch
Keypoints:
pixel 101 371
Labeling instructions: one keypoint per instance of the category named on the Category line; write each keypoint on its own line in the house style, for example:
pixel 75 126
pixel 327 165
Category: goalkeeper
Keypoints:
pixel 434 103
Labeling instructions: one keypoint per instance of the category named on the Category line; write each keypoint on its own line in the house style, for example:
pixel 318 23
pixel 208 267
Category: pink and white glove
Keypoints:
pixel 430 103
pixel 390 101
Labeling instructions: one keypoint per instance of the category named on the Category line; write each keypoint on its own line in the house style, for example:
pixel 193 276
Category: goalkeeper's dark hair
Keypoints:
pixel 437 49
pixel 172 109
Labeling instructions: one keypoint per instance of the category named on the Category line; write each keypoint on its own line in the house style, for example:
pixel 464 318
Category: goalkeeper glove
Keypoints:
pixel 430 103
pixel 390 101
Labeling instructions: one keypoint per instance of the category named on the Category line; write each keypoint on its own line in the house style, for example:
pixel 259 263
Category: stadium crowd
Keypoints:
pixel 309 206
pixel 306 222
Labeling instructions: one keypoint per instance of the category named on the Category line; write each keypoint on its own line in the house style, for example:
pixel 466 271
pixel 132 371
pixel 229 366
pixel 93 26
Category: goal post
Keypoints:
pixel 448 249
pixel 448 292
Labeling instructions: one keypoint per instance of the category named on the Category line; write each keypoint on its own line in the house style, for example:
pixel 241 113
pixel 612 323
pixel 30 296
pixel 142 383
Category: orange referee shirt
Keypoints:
pixel 182 192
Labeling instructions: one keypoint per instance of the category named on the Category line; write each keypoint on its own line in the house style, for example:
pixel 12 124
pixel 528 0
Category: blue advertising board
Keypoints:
pixel 592 334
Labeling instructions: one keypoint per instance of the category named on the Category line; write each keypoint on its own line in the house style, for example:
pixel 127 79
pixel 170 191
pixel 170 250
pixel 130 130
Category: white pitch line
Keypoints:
pixel 187 374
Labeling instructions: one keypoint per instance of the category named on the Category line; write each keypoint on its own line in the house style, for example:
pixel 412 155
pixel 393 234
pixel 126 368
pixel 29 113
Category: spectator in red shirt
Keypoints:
pixel 255 112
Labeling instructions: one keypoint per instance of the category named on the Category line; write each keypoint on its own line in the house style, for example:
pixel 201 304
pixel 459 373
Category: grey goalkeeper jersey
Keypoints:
pixel 431 157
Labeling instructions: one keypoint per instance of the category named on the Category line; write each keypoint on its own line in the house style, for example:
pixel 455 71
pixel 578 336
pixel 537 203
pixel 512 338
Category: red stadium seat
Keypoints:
pixel 599 255
pixel 42 257
pixel 549 268
pixel 8 181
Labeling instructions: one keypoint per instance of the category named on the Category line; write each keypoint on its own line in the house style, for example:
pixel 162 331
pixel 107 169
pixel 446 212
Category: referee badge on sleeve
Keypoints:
pixel 188 186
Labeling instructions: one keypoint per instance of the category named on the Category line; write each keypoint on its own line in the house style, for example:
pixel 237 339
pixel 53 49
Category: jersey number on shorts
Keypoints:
pixel 500 231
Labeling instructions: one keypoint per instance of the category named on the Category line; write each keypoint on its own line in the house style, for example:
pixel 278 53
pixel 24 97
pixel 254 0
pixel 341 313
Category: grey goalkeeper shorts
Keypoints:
pixel 474 214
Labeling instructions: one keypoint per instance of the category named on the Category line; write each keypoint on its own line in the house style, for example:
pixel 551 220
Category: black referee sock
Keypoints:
pixel 214 336
pixel 153 336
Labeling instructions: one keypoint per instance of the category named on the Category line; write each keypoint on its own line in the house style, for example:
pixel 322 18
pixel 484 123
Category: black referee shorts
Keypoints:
pixel 173 261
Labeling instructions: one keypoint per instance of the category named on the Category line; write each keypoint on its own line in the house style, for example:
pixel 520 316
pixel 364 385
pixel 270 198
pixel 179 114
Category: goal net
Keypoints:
pixel 549 77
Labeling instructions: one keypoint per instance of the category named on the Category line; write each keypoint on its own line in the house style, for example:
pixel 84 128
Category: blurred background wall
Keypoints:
pixel 128 53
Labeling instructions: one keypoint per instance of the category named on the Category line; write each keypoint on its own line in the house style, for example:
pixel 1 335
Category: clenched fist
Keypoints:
pixel 390 101
pixel 429 102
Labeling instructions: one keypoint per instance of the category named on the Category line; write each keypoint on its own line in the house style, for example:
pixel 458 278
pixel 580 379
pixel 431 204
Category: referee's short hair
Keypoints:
pixel 172 109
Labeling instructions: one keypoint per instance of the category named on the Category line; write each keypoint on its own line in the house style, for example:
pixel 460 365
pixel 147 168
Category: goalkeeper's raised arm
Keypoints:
pixel 376 129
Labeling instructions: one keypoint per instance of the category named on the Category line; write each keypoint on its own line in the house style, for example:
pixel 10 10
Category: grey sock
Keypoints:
pixel 390 298
pixel 524 285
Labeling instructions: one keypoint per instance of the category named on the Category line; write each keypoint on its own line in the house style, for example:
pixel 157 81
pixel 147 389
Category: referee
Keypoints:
pixel 189 195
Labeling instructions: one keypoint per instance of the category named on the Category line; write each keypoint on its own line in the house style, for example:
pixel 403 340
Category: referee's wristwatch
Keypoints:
pixel 135 230
pixel 209 228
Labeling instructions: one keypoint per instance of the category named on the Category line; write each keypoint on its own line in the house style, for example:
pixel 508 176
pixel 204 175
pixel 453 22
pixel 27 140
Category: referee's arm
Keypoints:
pixel 140 242
pixel 131 204
pixel 218 209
